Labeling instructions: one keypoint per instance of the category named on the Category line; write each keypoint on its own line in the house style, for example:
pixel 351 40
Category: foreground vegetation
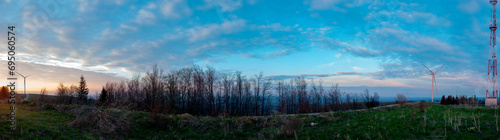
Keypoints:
pixel 416 121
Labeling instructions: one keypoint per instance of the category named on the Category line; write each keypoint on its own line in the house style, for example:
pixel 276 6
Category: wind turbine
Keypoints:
pixel 24 84
pixel 433 80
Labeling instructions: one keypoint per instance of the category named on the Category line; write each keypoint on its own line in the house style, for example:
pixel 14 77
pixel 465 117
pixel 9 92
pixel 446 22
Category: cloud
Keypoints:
pixel 145 17
pixel 336 5
pixel 328 65
pixel 285 77
pixel 429 18
pixel 224 5
pixel 213 30
pixel 175 9
pixel 128 27
pixel 469 7
pixel 346 79
pixel 357 68
pixel 366 81
pixel 86 5
pixel 326 4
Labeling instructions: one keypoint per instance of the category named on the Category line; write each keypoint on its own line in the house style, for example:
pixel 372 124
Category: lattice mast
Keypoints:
pixel 491 89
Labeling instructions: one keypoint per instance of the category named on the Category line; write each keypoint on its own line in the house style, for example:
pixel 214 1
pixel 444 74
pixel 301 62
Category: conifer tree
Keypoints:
pixel 83 91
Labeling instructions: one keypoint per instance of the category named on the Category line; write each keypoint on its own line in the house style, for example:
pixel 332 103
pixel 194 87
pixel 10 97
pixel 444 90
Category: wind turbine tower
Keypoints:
pixel 491 88
pixel 24 83
pixel 433 80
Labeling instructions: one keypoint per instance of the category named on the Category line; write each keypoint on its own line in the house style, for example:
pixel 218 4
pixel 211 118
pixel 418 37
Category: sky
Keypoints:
pixel 359 44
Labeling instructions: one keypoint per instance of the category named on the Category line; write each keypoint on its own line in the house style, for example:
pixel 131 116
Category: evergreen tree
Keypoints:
pixel 443 100
pixel 103 96
pixel 83 91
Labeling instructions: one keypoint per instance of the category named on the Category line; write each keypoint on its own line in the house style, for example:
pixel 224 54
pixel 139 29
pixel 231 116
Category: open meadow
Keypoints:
pixel 413 121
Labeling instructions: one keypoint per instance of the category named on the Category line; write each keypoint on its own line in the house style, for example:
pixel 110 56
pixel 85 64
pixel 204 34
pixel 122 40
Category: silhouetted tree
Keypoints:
pixel 83 91
pixel 366 98
pixel 43 95
pixel 401 99
pixel 73 92
pixel 374 100
pixel 303 99
pixel 134 90
pixel 335 97
pixel 62 93
pixel 265 96
pixel 199 91
pixel 153 87
pixel 103 97
pixel 443 100
pixel 449 100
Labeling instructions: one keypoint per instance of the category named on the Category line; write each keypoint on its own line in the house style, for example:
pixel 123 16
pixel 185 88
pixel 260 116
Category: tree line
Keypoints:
pixel 203 91
pixel 450 100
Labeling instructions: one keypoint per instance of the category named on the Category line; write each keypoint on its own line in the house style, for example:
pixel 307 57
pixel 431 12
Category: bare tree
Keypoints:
pixel 401 98
pixel 238 93
pixel 256 90
pixel 111 89
pixel 153 87
pixel 281 96
pixel 247 97
pixel 374 100
pixel 134 90
pixel 72 93
pixel 210 76
pixel 303 98
pixel 366 98
pixel 227 87
pixel 43 95
pixel 348 98
pixel 265 96
pixel 322 97
pixel 62 93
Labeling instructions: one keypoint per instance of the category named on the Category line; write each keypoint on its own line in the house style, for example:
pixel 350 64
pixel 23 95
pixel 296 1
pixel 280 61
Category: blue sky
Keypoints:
pixel 374 44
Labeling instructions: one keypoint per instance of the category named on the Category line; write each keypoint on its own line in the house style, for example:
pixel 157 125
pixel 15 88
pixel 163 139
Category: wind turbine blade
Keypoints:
pixel 439 69
pixel 427 68
pixel 19 74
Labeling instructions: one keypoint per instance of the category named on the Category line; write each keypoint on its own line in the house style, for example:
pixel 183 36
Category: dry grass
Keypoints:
pixel 290 126
pixel 101 120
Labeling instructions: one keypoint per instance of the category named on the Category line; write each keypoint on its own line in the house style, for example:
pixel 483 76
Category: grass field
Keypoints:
pixel 418 121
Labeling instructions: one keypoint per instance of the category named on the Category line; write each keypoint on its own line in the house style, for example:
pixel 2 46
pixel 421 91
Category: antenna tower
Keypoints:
pixel 491 88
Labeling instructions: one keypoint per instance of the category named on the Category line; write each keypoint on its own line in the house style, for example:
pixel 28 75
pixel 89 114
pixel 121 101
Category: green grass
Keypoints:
pixel 431 122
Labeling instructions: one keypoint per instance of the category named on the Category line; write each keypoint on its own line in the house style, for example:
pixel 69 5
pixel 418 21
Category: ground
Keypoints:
pixel 416 121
